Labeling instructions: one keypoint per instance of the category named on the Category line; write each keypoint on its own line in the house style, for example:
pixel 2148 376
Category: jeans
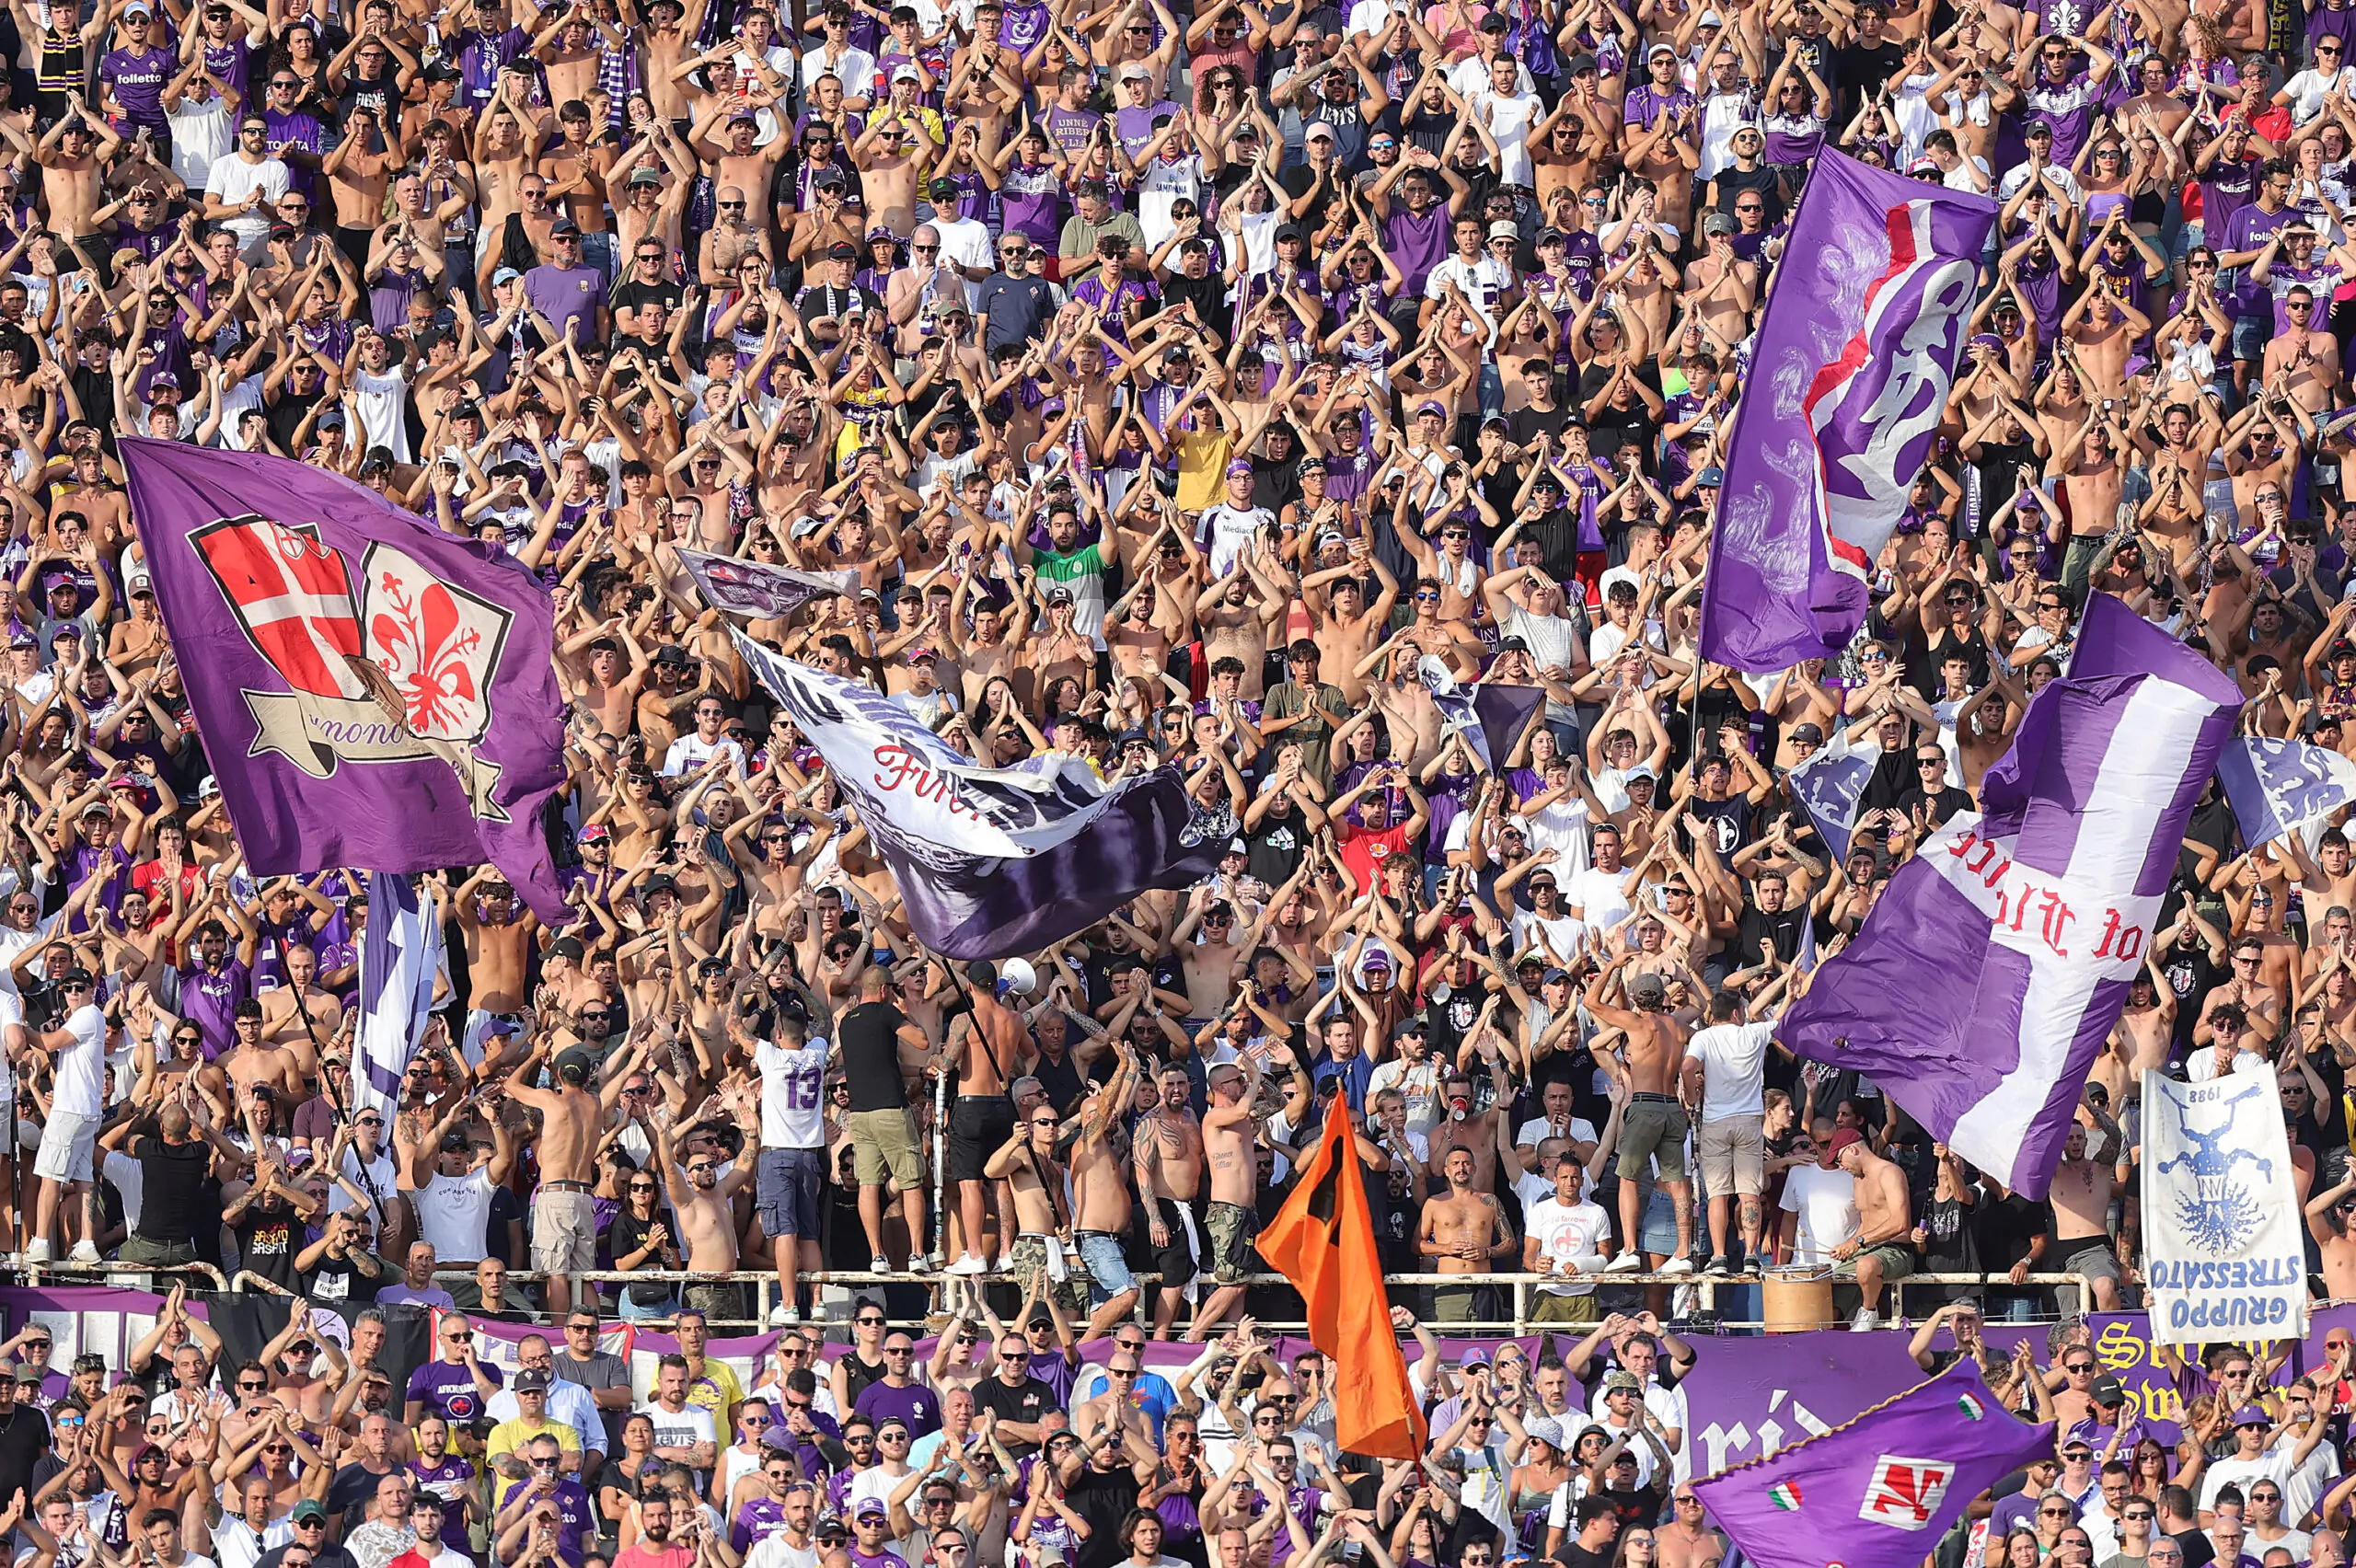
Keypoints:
pixel 597 250
pixel 626 1308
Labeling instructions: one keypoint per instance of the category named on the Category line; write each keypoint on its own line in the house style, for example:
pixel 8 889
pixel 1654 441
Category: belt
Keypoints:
pixel 1655 1098
pixel 566 1187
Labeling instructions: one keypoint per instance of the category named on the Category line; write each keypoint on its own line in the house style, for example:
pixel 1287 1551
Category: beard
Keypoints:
pixel 656 1533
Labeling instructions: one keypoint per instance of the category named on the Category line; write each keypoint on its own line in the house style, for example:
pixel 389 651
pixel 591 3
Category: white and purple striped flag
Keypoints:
pixel 1984 985
pixel 401 953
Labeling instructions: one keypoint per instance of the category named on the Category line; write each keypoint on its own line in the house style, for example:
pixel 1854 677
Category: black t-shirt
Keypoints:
pixel 2198 1551
pixel 1296 181
pixel 626 1239
pixel 1571 1554
pixel 1026 1402
pixel 870 1034
pixel 23 1437
pixel 2190 976
pixel 1272 850
pixel 330 1280
pixel 352 1489
pixel 1938 804
pixel 1865 67
pixel 1209 294
pixel 1784 928
pixel 266 1241
pixel 634 295
pixel 172 1177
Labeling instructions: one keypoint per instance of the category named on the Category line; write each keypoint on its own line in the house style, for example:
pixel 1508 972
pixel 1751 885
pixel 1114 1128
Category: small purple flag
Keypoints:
pixel 1845 390
pixel 371 691
pixel 1880 1490
pixel 1992 969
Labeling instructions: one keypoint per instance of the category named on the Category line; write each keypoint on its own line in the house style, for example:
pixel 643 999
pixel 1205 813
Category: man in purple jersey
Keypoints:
pixel 455 1385
pixel 898 1394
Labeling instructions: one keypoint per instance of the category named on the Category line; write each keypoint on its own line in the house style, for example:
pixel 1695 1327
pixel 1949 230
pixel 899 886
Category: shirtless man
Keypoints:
pixel 2331 1220
pixel 1883 1248
pixel 564 1213
pixel 299 1017
pixel 71 157
pixel 703 1201
pixel 1228 1134
pixel 1027 1163
pixel 1169 1173
pixel 2082 1195
pixel 249 1063
pixel 498 942
pixel 1653 1129
pixel 990 1048
pixel 2146 1030
pixel 1101 1200
pixel 1212 964
pixel 1464 1232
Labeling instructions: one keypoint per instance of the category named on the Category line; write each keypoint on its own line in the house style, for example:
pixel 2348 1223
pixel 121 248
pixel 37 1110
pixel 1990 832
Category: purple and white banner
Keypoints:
pixel 2278 787
pixel 1845 390
pixel 401 953
pixel 755 588
pixel 1990 974
pixel 994 861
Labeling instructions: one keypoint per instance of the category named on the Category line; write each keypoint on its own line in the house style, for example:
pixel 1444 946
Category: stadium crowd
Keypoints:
pixel 1179 385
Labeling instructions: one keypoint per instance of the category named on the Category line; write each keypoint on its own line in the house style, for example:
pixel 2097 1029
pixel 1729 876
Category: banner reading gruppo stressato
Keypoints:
pixel 756 588
pixel 2224 1249
pixel 1845 390
pixel 993 861
pixel 371 690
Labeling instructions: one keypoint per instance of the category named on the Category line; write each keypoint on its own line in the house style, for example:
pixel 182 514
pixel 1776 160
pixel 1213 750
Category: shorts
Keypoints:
pixel 1230 1227
pixel 884 1142
pixel 2252 332
pixel 979 1125
pixel 1553 1309
pixel 67 1143
pixel 1174 1263
pixel 1456 1303
pixel 1652 1132
pixel 564 1231
pixel 1732 1151
pixel 1029 1256
pixel 1108 1271
pixel 2090 1258
pixel 788 1181
pixel 1896 1260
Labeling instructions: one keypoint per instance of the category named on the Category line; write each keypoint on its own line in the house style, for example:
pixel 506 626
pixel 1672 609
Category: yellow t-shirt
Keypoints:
pixel 510 1435
pixel 1202 467
pixel 718 1392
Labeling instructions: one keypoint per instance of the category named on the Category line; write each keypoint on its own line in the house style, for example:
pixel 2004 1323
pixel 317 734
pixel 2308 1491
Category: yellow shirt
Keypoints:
pixel 718 1392
pixel 510 1435
pixel 1202 467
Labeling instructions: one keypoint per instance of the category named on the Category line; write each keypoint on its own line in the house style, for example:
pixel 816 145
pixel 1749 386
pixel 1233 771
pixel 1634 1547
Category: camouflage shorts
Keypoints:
pixel 1231 1228
pixel 1030 1254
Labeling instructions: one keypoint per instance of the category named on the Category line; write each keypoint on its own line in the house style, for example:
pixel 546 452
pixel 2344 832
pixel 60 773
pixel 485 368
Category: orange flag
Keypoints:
pixel 1322 1241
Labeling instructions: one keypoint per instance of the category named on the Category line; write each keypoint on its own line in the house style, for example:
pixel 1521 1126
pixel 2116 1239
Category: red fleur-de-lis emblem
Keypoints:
pixel 426 650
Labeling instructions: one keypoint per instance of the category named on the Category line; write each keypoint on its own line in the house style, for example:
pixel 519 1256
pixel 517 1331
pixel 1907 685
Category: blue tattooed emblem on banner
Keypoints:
pixel 2277 787
pixel 2217 1212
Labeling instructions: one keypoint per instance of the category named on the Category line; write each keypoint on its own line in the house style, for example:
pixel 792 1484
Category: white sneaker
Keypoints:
pixel 1681 1264
pixel 785 1315
pixel 84 1253
pixel 879 1265
pixel 1626 1262
pixel 1864 1322
pixel 921 1262
pixel 37 1250
pixel 968 1263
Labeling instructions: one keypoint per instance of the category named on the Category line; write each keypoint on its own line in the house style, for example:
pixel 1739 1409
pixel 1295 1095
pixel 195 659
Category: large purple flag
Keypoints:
pixel 1880 1490
pixel 1845 390
pixel 1993 966
pixel 371 691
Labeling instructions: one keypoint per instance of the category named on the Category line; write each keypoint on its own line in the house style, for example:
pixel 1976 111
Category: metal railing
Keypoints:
pixel 1708 1305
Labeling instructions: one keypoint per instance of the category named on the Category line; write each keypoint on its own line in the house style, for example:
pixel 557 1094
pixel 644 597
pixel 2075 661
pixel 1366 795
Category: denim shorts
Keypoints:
pixel 1108 1266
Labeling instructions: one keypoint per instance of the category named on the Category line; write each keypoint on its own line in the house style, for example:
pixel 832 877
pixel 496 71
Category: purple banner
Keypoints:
pixel 1988 975
pixel 1845 390
pixel 371 691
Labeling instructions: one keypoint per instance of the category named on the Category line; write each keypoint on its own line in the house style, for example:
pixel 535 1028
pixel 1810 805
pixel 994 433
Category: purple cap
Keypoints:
pixel 1240 466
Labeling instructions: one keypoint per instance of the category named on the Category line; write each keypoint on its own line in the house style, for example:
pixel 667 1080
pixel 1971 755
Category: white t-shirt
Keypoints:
pixel 1572 1237
pixel 81 1067
pixel 2274 1465
pixel 682 1429
pixel 1826 1202
pixel 231 179
pixel 1731 1055
pixel 1535 1131
pixel 793 1095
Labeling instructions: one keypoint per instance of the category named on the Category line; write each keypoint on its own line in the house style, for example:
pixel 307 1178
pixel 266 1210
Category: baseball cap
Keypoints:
pixel 1717 222
pixel 565 227
pixel 1133 71
pixel 1842 1139
pixel 1647 988
pixel 2106 1390
pixel 646 176
pixel 1504 228
pixel 308 1511
pixel 531 1380
pixel 504 275
pixel 1812 733
pixel 842 250
pixel 1317 128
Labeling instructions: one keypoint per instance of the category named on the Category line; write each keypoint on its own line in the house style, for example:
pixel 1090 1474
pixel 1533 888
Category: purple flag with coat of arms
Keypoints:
pixel 1991 971
pixel 1880 1490
pixel 1845 390
pixel 371 691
